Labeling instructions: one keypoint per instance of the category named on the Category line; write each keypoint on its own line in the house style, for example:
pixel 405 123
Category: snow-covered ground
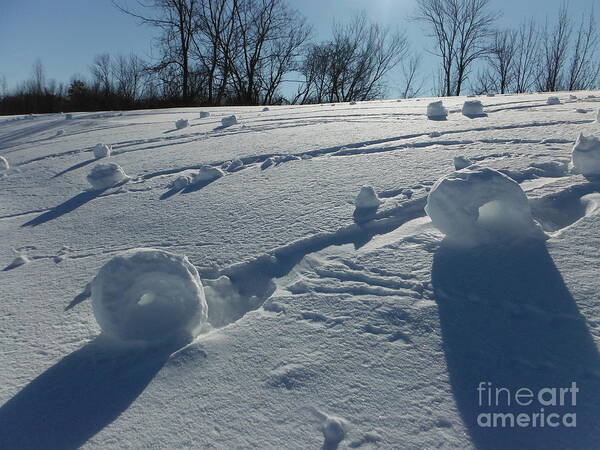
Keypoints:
pixel 326 329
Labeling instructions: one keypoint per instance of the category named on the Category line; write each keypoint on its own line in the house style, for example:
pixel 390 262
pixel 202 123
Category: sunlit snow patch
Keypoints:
pixel 148 295
pixel 479 204
pixel 103 176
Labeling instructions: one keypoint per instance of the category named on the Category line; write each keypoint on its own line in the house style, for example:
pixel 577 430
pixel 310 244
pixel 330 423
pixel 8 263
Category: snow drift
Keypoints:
pixel 436 110
pixel 148 295
pixel 103 176
pixel 472 108
pixel 102 151
pixel 585 158
pixel 478 204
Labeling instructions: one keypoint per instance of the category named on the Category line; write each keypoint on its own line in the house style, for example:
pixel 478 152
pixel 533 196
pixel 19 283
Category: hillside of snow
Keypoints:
pixel 325 308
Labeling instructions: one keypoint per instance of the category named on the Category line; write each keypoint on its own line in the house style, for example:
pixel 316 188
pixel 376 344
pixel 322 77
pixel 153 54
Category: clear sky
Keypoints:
pixel 67 34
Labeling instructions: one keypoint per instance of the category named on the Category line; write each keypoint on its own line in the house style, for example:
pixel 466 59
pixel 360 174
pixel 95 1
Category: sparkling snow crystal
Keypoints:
pixel 436 110
pixel 182 123
pixel 146 295
pixel 585 157
pixel 103 176
pixel 477 204
pixel 102 151
pixel 472 108
pixel 367 198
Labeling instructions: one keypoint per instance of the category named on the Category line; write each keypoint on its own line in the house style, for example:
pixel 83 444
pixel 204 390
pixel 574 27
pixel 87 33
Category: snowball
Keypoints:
pixel 203 114
pixel 4 163
pixel 182 123
pixel 180 182
pixel 265 109
pixel 146 294
pixel 472 108
pixel 102 151
pixel 68 116
pixel 434 134
pixel 480 204
pixel 436 110
pixel 553 101
pixel 367 198
pixel 573 97
pixel 585 157
pixel 581 110
pixel 207 173
pixel 460 162
pixel 228 121
pixel 235 165
pixel 491 94
pixel 59 132
pixel 103 176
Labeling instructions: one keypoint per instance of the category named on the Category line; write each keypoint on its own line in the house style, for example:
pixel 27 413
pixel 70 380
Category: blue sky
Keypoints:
pixel 67 34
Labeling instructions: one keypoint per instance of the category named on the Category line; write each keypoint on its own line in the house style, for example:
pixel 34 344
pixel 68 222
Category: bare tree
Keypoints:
pixel 554 51
pixel 583 67
pixel 353 65
pixel 129 73
pixel 526 56
pixel 102 73
pixel 460 29
pixel 38 78
pixel 411 86
pixel 501 59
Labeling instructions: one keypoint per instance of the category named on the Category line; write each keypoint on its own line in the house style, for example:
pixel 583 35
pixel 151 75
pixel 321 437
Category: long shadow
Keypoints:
pixel 64 208
pixel 75 166
pixel 508 319
pixel 76 398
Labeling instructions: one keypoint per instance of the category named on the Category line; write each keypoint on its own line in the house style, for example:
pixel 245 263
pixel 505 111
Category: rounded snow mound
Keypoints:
pixel 235 165
pixel 181 182
pixel 203 114
pixel 367 198
pixel 103 176
pixel 553 101
pixel 436 110
pixel 68 116
pixel 228 121
pixel 478 204
pixel 585 157
pixel 182 123
pixel 472 108
pixel 102 151
pixel 460 162
pixel 265 109
pixel 207 173
pixel 148 295
pixel 4 163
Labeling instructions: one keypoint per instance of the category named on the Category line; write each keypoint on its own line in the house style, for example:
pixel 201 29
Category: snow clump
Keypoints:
pixel 585 158
pixel 472 108
pixel 148 295
pixel 228 121
pixel 207 173
pixel 572 97
pixel 102 151
pixel 478 204
pixel 265 109
pixel 235 165
pixel 367 199
pixel 553 100
pixel 598 117
pixel 182 123
pixel 436 110
pixel 460 162
pixel 68 116
pixel 203 114
pixel 103 176
pixel 181 182
pixel 4 163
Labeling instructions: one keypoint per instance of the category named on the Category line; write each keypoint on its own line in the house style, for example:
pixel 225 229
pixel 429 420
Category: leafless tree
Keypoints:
pixel 554 51
pixel 583 66
pixel 460 29
pixel 501 59
pixel 102 73
pixel 129 73
pixel 352 66
pixel 411 85
pixel 526 56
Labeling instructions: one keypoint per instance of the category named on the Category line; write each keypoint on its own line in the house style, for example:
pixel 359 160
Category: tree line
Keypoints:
pixel 243 52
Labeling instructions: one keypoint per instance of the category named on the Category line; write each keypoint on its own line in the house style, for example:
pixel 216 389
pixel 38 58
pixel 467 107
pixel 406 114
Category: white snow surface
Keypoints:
pixel 319 328
pixel 585 157
pixel 148 295
pixel 105 175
